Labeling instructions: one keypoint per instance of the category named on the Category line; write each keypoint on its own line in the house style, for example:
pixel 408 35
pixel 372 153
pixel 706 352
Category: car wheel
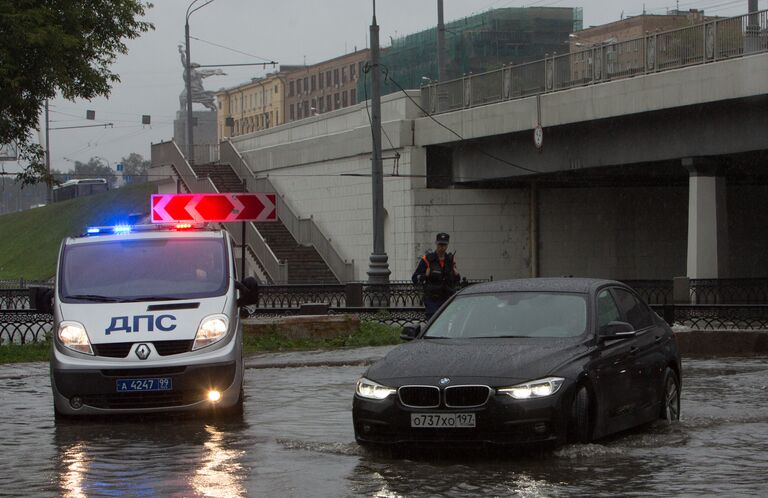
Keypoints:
pixel 579 429
pixel 670 407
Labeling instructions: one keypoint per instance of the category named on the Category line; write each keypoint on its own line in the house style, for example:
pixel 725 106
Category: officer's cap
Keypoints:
pixel 442 238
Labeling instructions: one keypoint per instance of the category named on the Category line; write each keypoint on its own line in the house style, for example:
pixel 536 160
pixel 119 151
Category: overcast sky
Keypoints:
pixel 287 31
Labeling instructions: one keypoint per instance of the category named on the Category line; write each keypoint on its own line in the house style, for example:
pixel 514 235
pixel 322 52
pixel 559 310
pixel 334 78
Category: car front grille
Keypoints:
pixel 167 348
pixel 121 349
pixel 113 350
pixel 420 396
pixel 466 396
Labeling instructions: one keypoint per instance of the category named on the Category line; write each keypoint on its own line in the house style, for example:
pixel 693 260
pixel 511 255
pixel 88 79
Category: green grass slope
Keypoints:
pixel 30 240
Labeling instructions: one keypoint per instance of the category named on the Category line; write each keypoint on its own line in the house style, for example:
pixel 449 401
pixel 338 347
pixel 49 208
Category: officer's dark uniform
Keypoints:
pixel 441 282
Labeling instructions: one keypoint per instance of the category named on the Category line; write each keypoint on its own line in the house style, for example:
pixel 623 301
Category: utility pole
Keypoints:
pixel 440 42
pixel 188 81
pixel 378 266
pixel 48 193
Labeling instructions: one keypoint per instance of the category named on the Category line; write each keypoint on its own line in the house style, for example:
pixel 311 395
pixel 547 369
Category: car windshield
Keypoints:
pixel 151 269
pixel 512 314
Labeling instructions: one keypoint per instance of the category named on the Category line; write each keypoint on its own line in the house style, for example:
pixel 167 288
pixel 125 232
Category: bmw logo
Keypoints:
pixel 142 351
pixel 444 381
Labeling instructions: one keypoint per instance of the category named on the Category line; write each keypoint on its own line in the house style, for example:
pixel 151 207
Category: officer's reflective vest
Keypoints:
pixel 439 284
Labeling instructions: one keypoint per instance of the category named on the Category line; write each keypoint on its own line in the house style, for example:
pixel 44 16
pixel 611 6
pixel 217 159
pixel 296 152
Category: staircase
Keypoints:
pixel 304 263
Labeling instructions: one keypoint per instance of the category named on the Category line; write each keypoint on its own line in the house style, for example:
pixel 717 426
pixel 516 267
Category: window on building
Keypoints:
pixel 320 102
pixel 291 88
pixel 353 97
pixel 291 112
pixel 343 75
pixel 306 109
pixel 276 90
pixel 328 104
pixel 328 79
pixel 313 83
pixel 336 101
pixel 277 118
pixel 321 80
pixel 306 84
pixel 352 72
pixel 344 100
pixel 313 106
pixel 298 87
pixel 361 67
pixel 335 76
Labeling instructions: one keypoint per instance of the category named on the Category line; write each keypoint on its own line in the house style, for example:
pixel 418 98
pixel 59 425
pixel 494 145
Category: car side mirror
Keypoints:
pixel 410 332
pixel 617 330
pixel 249 292
pixel 41 299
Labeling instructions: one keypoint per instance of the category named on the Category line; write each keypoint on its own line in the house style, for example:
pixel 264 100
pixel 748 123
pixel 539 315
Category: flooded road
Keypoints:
pixel 296 439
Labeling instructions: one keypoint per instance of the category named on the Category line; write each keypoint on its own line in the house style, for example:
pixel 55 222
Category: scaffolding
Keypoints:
pixel 476 44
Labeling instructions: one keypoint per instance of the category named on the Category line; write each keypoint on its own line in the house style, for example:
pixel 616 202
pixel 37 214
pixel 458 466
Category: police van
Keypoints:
pixel 146 320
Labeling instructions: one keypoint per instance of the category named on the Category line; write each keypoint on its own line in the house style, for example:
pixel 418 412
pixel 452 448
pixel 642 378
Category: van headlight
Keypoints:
pixel 73 336
pixel 534 389
pixel 212 329
pixel 369 389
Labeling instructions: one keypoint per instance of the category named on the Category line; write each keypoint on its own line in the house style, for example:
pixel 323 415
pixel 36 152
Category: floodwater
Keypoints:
pixel 296 439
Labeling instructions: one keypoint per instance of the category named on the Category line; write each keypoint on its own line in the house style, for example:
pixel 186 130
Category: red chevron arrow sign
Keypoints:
pixel 217 208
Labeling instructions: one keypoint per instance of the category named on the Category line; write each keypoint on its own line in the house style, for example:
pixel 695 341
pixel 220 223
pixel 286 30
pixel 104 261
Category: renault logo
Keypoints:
pixel 142 351
pixel 444 381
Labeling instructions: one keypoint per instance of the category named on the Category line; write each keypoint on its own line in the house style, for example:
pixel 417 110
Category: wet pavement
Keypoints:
pixel 296 439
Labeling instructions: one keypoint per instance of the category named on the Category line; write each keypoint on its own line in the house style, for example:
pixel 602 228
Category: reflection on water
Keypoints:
pixel 219 472
pixel 299 442
pixel 73 477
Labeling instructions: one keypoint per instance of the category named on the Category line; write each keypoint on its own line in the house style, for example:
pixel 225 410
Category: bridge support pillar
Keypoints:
pixel 707 220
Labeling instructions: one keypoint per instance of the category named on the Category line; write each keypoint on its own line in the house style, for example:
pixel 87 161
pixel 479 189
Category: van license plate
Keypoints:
pixel 137 385
pixel 443 420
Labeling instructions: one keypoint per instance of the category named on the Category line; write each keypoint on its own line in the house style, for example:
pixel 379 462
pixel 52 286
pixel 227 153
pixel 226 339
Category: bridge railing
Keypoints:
pixel 702 43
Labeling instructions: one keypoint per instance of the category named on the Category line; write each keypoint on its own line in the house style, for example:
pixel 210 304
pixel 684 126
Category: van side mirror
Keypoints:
pixel 617 330
pixel 41 299
pixel 410 332
pixel 249 292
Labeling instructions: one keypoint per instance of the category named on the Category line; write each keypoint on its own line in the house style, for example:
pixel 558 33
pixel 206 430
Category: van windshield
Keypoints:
pixel 147 269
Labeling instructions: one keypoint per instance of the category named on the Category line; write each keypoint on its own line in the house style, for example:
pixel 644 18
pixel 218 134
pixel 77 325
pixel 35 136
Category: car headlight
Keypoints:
pixel 366 388
pixel 73 336
pixel 212 329
pixel 534 389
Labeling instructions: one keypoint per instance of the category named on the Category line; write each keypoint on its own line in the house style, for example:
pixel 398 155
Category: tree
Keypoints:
pixel 135 168
pixel 94 168
pixel 64 46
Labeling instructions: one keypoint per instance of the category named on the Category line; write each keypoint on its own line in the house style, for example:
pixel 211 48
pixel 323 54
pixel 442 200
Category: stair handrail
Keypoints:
pixel 304 230
pixel 169 153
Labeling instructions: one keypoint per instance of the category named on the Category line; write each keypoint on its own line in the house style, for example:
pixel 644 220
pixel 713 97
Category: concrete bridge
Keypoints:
pixel 647 174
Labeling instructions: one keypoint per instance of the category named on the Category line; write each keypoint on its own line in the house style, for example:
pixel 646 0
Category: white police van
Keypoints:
pixel 146 320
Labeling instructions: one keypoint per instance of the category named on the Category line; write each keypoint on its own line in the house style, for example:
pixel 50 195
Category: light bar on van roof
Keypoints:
pixel 121 229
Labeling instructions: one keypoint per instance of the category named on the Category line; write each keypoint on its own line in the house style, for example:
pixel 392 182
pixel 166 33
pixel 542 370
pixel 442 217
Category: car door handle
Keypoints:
pixel 633 350
pixel 657 339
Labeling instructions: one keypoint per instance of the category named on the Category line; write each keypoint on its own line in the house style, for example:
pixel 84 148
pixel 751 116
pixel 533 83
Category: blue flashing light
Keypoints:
pixel 121 228
pixel 94 230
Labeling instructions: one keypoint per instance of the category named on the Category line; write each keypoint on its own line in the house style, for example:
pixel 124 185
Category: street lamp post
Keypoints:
pixel 378 266
pixel 188 79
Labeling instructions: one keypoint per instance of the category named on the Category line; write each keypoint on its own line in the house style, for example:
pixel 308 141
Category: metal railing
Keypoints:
pixel 168 153
pixel 709 41
pixel 304 230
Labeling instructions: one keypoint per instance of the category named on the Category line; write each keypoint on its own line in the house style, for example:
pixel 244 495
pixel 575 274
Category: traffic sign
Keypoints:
pixel 217 208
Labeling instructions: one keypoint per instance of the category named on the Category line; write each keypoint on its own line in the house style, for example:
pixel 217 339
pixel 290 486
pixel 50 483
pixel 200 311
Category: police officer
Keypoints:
pixel 437 272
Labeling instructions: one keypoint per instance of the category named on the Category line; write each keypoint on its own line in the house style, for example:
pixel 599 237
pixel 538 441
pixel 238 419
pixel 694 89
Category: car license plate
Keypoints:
pixel 137 385
pixel 443 420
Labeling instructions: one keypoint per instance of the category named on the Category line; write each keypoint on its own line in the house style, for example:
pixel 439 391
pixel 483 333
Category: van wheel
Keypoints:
pixel 670 406
pixel 579 430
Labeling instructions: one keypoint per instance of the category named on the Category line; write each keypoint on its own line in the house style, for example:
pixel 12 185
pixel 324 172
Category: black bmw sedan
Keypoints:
pixel 524 361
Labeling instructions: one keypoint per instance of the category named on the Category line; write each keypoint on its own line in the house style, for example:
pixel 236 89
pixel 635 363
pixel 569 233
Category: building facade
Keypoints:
pixel 323 87
pixel 253 106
